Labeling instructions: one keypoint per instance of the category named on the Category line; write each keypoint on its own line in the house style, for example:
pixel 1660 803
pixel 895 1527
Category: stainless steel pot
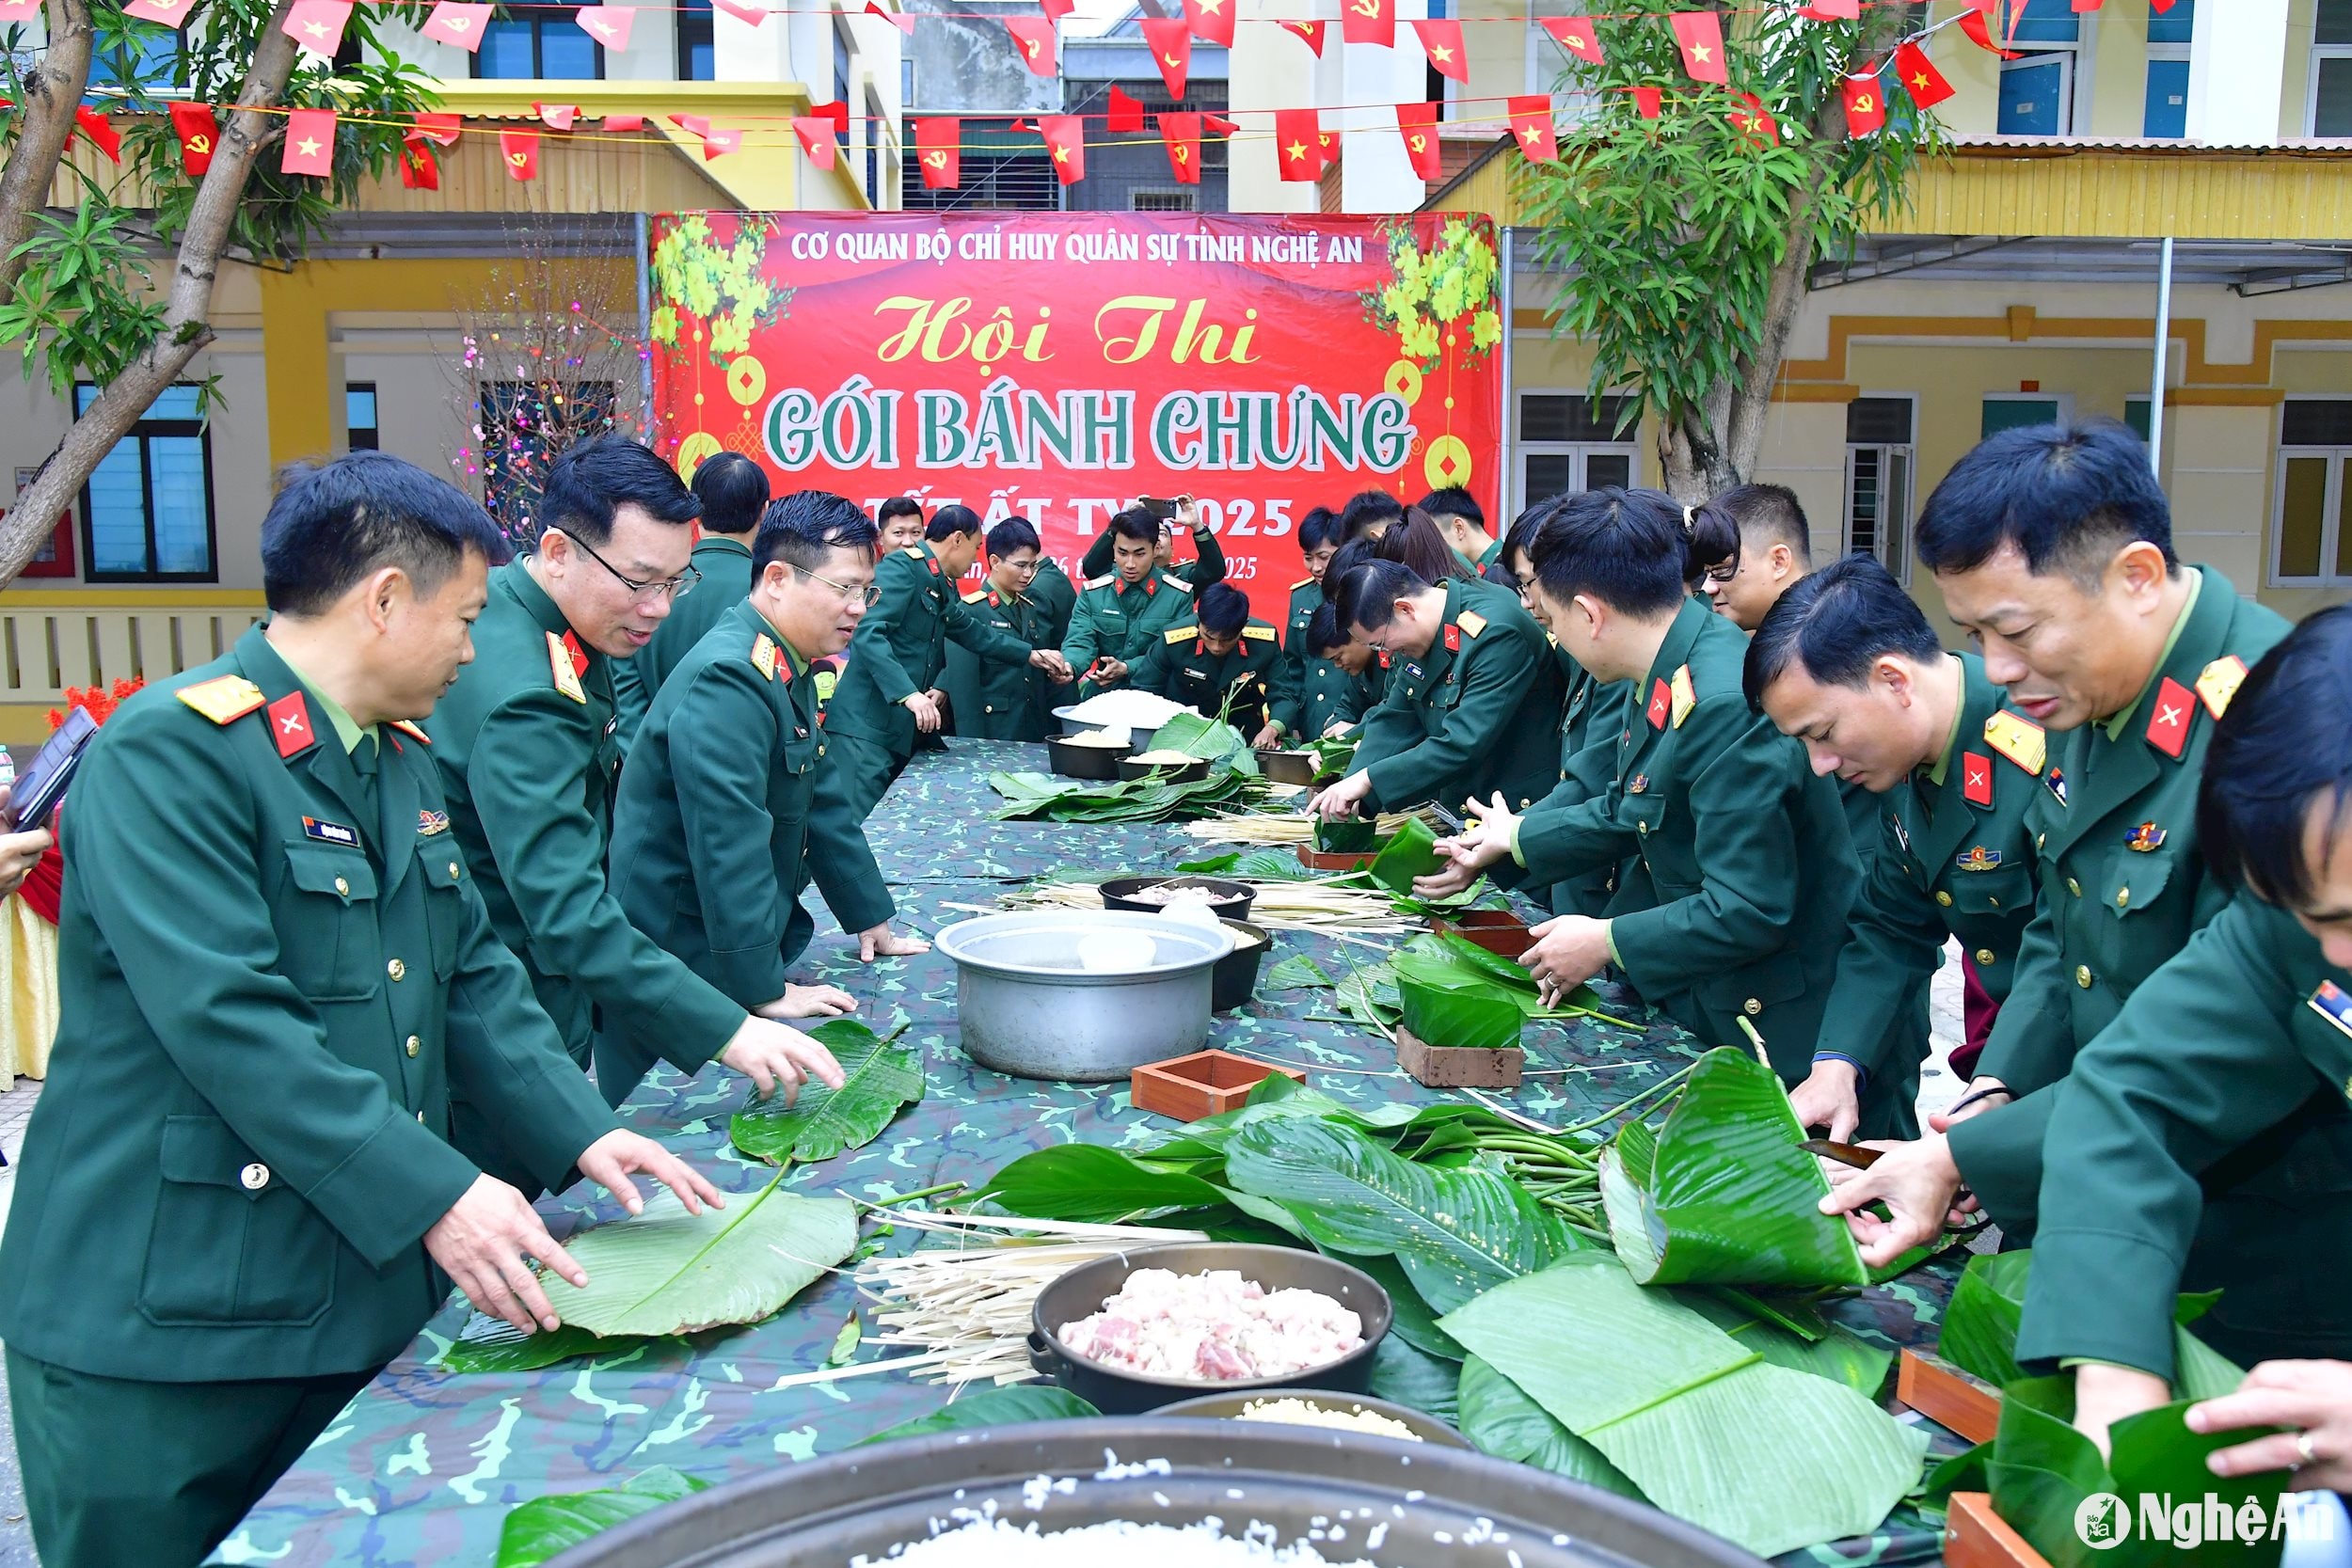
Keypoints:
pixel 1027 1008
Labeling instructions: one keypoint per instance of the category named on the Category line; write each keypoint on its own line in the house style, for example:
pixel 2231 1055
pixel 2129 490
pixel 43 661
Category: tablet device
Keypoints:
pixel 43 784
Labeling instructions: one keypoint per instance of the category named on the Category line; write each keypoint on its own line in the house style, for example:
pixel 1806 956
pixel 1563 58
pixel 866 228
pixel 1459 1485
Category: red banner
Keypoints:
pixel 1058 366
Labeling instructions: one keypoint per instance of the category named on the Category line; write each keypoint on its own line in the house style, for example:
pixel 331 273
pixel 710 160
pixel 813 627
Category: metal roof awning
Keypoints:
pixel 2249 268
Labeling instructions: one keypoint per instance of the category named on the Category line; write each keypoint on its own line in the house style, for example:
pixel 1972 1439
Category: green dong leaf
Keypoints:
pixel 543 1527
pixel 880 1079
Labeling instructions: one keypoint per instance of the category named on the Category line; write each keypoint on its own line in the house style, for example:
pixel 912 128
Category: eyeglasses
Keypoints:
pixel 871 593
pixel 672 589
pixel 1722 574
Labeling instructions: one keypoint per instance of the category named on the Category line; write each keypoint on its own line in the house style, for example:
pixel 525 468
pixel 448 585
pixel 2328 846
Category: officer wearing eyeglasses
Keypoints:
pixel 528 759
pixel 733 491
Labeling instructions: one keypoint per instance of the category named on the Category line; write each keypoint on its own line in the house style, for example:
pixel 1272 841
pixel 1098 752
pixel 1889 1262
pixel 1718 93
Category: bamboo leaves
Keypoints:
pixel 880 1080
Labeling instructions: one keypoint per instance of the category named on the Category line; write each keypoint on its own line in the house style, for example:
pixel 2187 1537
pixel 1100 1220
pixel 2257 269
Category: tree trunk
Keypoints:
pixel 45 122
pixel 185 330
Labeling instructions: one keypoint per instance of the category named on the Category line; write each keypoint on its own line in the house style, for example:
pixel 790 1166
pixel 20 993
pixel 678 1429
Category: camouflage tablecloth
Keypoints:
pixel 422 1466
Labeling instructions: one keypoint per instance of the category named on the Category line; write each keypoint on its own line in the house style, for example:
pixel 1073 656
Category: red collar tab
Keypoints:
pixel 932 562
pixel 1975 778
pixel 1384 658
pixel 1453 639
pixel 2168 727
pixel 579 656
pixel 1661 705
pixel 290 725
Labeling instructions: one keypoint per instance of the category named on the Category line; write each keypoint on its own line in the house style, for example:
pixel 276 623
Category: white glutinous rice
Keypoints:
pixel 1137 710
pixel 1304 1413
pixel 999 1544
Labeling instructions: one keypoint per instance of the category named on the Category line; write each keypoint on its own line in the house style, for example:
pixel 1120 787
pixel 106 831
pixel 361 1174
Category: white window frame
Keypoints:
pixel 2178 52
pixel 2311 85
pixel 2068 57
pixel 2332 508
pixel 1910 452
pixel 1546 62
pixel 1578 452
pixel 2065 401
pixel 1190 194
pixel 2081 59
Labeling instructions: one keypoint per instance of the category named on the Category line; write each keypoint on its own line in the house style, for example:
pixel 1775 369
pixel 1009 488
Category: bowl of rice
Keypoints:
pixel 1227 900
pixel 1359 1413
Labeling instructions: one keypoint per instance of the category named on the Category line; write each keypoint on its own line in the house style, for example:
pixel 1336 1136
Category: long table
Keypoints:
pixel 424 1465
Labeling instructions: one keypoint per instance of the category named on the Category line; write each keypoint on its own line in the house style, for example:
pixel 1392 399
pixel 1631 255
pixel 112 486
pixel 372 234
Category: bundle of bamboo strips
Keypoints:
pixel 1259 827
pixel 1338 907
pixel 967 1307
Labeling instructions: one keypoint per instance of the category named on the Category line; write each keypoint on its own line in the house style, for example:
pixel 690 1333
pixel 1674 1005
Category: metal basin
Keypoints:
pixel 1441 1508
pixel 1027 1008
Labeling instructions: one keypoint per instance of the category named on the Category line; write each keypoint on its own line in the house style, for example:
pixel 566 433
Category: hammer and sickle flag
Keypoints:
pixel 1865 106
pixel 519 151
pixel 1034 37
pixel 1368 21
pixel 198 132
pixel 939 149
pixel 1418 124
pixel 1181 133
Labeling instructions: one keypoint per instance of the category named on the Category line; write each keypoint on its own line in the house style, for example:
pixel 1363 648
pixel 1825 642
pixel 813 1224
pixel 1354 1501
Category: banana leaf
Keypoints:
pixel 543 1527
pixel 1436 954
pixel 1038 795
pixel 1979 1330
pixel 488 1344
pixel 1413 1322
pixel 667 1271
pixel 1500 1420
pixel 1407 855
pixel 1345 835
pixel 1451 1015
pixel 1722 1193
pixel 1840 1354
pixel 1416 1378
pixel 1298 973
pixel 1454 1231
pixel 1196 735
pixel 880 1080
pixel 992 1407
pixel 1096 1184
pixel 1768 1458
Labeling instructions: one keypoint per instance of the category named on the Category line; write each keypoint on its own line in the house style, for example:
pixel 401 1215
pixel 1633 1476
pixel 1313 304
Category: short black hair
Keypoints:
pixel 591 480
pixel 1455 501
pixel 1367 595
pixel 1631 549
pixel 1416 543
pixel 803 528
pixel 1324 634
pixel 1521 535
pixel 900 506
pixel 1318 528
pixel 1349 556
pixel 1224 609
pixel 1769 515
pixel 333 523
pixel 1835 625
pixel 733 490
pixel 1136 523
pixel 1367 509
pixel 1014 534
pixel 951 520
pixel 2068 496
pixel 2284 744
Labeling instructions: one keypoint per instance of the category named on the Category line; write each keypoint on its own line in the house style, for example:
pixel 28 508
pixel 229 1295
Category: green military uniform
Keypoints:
pixel 900 648
pixel 1005 702
pixel 2182 1117
pixel 275 972
pixel 1116 619
pixel 1327 694
pixel 1052 592
pixel 1477 714
pixel 2123 886
pixel 1952 859
pixel 527 759
pixel 1589 732
pixel 1207 565
pixel 725 564
pixel 1733 903
pixel 1181 667
pixel 724 816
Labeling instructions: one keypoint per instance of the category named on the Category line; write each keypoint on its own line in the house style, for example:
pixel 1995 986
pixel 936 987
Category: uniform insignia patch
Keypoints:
pixel 1470 622
pixel 764 656
pixel 1412 670
pixel 1103 581
pixel 2168 727
pixel 2219 683
pixel 1661 704
pixel 994 603
pixel 223 697
pixel 1300 583
pixel 1258 634
pixel 1180 634
pixel 290 724
pixel 2143 838
pixel 2018 739
pixel 1454 640
pixel 1384 658
pixel 1176 582
pixel 1979 859
pixel 977 595
pixel 406 727
pixel 913 552
pixel 431 822
pixel 330 833
pixel 1903 834
pixel 560 666
pixel 932 562
pixel 1683 696
pixel 2057 780
pixel 1975 778
pixel 2330 1003
pixel 1640 784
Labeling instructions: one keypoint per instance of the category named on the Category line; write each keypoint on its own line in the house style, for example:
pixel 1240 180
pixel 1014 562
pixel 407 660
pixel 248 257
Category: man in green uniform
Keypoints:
pixel 236 1201
pixel 1208 562
pixel 1463 522
pixel 1776 552
pixel 1846 663
pixel 901 525
pixel 525 746
pixel 726 813
pixel 1120 616
pixel 1344 678
pixel 2249 1029
pixel 1225 661
pixel 1007 702
pixel 733 491
pixel 2054 545
pixel 1318 541
pixel 1472 706
pixel 1732 909
pixel 888 694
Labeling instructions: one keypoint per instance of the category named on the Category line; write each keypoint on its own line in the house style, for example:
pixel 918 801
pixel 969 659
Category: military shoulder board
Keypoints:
pixel 913 552
pixel 1176 582
pixel 1103 581
pixel 2018 739
pixel 222 699
pixel 1262 634
pixel 2219 683
pixel 976 595
pixel 1181 634
pixel 1470 622
pixel 764 656
pixel 1301 583
pixel 565 673
pixel 1684 695
pixel 408 728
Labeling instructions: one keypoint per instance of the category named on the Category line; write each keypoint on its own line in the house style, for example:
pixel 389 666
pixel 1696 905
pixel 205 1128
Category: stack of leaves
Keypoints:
pixel 1288 827
pixel 1462 990
pixel 1411 853
pixel 1211 739
pixel 1289 899
pixel 1031 795
pixel 880 1079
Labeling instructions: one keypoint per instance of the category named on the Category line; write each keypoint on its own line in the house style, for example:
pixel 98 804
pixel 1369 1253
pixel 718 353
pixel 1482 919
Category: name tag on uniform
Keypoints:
pixel 2330 1003
pixel 329 832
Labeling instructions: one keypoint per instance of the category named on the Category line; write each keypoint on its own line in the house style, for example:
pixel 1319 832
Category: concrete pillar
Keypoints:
pixel 2236 71
pixel 2216 462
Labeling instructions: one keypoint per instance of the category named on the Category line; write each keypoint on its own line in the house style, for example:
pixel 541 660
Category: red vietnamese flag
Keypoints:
pixel 1211 21
pixel 1832 10
pixel 1034 37
pixel 198 132
pixel 1442 42
pixel 1972 23
pixel 610 26
pixel 817 140
pixel 457 24
pixel 1056 9
pixel 100 131
pixel 440 129
pixel 1865 106
pixel 1298 143
pixel 1170 38
pixel 519 151
pixel 2081 5
pixel 1368 21
pixel 1575 34
pixel 1065 139
pixel 1181 133
pixel 1531 122
pixel 623 122
pixel 317 25
pixel 1418 124
pixel 1701 35
pixel 169 13
pixel 900 20
pixel 1920 78
pixel 939 147
pixel 1125 115
pixel 1649 103
pixel 836 114
pixel 722 142
pixel 698 125
pixel 751 16
pixel 1755 119
pixel 419 169
pixel 309 142
pixel 19 11
pixel 1217 125
pixel 555 116
pixel 1311 31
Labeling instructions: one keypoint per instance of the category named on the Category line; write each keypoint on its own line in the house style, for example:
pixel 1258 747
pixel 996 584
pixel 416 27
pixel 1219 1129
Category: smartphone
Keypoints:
pixel 43 784
pixel 1164 510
